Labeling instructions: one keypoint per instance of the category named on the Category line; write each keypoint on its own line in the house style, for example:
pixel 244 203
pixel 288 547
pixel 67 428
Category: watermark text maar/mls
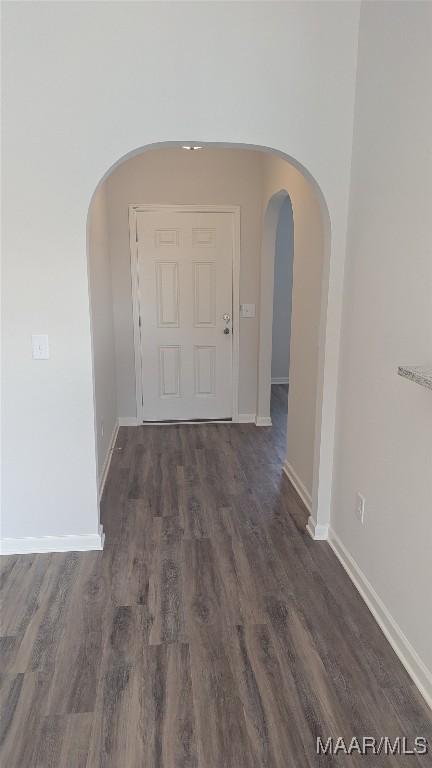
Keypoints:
pixel 370 745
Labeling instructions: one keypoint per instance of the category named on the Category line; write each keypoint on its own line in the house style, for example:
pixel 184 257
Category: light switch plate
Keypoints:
pixel 40 346
pixel 247 310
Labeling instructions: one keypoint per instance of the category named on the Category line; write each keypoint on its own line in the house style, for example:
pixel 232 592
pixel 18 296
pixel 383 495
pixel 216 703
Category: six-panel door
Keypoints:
pixel 185 280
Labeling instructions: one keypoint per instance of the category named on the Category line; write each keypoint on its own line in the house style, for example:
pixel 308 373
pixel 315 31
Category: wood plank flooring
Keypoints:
pixel 211 632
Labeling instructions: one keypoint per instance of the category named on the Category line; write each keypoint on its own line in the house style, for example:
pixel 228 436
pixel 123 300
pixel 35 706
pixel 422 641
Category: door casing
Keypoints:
pixel 234 211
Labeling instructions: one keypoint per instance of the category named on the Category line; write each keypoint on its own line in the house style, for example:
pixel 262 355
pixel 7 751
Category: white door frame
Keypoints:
pixel 234 210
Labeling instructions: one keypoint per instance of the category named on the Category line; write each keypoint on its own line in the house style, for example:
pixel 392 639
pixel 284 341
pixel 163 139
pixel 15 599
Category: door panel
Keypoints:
pixel 167 294
pixel 184 275
pixel 205 366
pixel 169 371
pixel 204 294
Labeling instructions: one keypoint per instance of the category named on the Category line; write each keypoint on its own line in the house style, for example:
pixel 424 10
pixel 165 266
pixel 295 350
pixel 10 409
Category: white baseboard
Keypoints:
pixel 317 532
pixel 410 659
pixel 263 421
pixel 128 421
pixel 279 380
pixel 298 485
pixel 107 462
pixel 246 418
pixel 33 545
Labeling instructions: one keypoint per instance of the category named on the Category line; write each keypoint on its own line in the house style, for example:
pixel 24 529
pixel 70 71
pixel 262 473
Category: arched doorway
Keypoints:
pixel 299 185
pixel 270 225
pixel 309 446
pixel 282 296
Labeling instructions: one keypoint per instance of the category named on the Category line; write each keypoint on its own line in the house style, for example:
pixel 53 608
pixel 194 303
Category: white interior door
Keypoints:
pixel 185 297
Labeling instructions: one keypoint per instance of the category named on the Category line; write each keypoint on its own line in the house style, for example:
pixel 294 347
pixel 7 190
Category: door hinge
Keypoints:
pixel 139 321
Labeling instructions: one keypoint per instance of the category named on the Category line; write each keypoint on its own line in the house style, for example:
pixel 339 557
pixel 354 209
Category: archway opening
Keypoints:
pixel 282 295
pixel 281 319
pixel 258 181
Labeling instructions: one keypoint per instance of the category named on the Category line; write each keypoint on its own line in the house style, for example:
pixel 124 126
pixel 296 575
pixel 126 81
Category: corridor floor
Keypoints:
pixel 211 632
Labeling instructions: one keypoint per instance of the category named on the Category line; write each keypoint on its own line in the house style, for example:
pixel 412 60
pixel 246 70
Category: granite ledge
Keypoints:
pixel 421 374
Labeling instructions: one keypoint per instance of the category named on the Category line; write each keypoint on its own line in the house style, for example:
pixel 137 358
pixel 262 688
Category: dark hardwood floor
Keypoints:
pixel 211 632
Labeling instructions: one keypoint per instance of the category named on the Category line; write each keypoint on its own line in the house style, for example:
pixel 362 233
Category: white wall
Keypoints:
pixel 211 176
pixel 113 77
pixel 283 271
pixel 102 327
pixel 384 424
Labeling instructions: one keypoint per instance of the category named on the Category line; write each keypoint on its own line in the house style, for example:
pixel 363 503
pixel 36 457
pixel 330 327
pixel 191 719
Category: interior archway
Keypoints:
pixel 317 502
pixel 270 225
pixel 279 203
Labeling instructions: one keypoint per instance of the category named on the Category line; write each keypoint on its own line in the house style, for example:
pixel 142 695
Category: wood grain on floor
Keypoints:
pixel 211 632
